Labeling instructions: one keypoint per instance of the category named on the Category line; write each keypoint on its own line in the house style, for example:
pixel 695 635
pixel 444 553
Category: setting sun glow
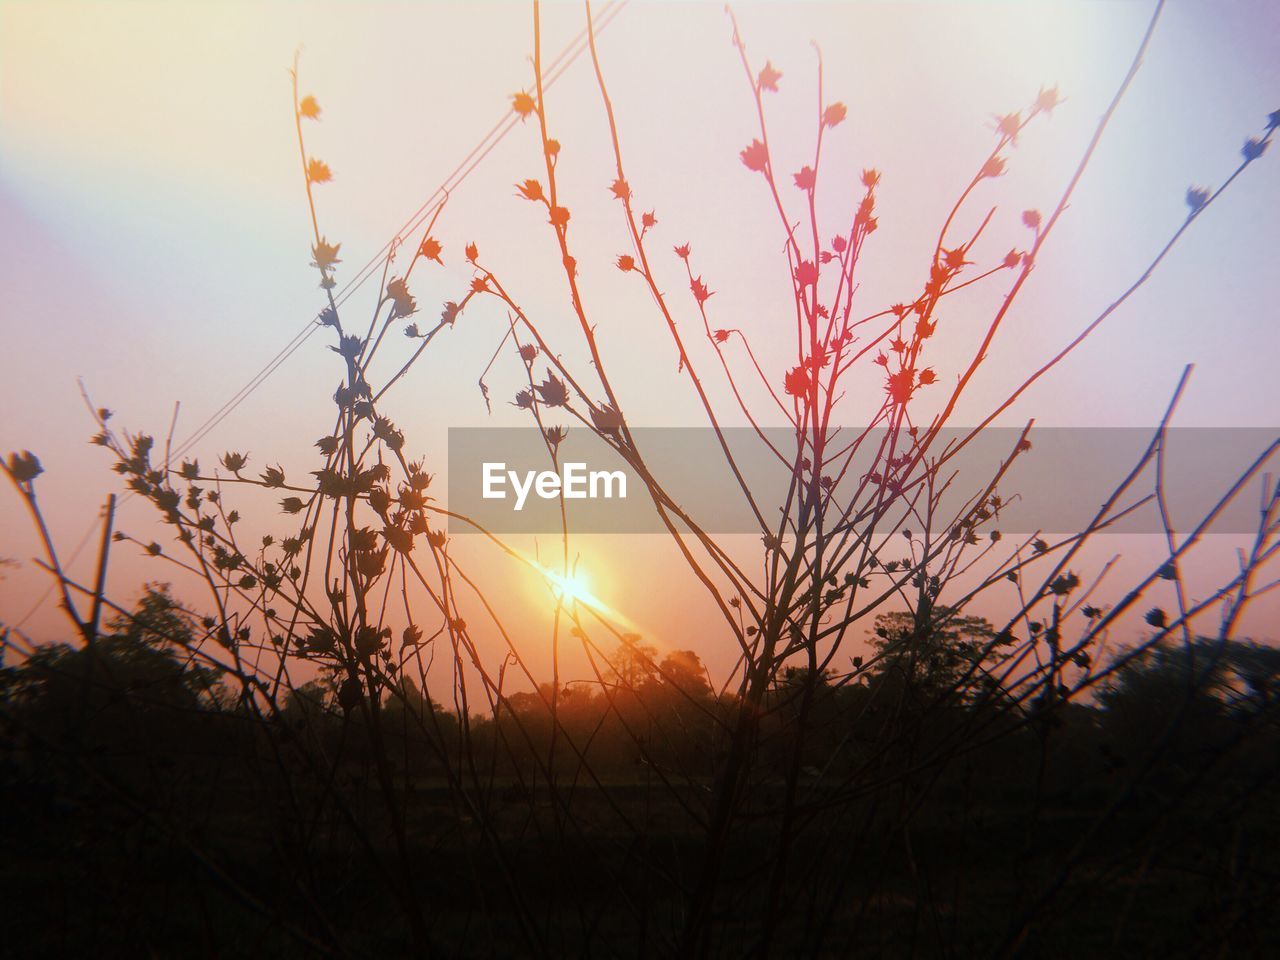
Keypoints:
pixel 574 588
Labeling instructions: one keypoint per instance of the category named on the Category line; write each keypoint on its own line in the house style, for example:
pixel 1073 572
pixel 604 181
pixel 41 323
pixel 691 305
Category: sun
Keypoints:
pixel 574 587
pixel 573 590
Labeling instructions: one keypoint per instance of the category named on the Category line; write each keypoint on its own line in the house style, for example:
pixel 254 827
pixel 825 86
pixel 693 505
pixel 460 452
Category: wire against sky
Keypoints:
pixel 465 167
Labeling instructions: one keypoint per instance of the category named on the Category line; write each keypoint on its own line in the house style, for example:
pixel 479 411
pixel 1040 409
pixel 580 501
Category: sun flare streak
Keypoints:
pixel 574 590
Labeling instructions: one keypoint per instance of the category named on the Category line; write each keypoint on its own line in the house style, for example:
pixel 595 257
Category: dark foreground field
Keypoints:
pixel 139 822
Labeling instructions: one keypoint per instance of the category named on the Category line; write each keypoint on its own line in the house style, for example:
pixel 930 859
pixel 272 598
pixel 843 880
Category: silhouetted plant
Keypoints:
pixel 726 815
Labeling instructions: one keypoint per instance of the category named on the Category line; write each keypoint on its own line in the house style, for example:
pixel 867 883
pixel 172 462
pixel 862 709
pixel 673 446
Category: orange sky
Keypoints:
pixel 155 236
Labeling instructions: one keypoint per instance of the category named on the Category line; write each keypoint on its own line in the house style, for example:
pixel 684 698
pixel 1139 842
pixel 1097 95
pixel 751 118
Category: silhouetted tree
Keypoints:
pixel 934 654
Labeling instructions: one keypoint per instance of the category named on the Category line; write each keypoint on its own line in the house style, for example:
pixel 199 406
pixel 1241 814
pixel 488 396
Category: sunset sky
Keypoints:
pixel 155 234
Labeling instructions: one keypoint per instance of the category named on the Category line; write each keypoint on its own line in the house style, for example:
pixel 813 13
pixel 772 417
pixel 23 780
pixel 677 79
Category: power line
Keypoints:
pixel 451 182
pixel 44 597
pixel 478 153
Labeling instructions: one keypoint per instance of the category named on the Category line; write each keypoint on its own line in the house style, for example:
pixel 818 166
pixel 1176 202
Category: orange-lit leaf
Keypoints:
pixel 755 156
pixel 769 77
pixel 431 249
pixel 522 104
pixel 318 171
